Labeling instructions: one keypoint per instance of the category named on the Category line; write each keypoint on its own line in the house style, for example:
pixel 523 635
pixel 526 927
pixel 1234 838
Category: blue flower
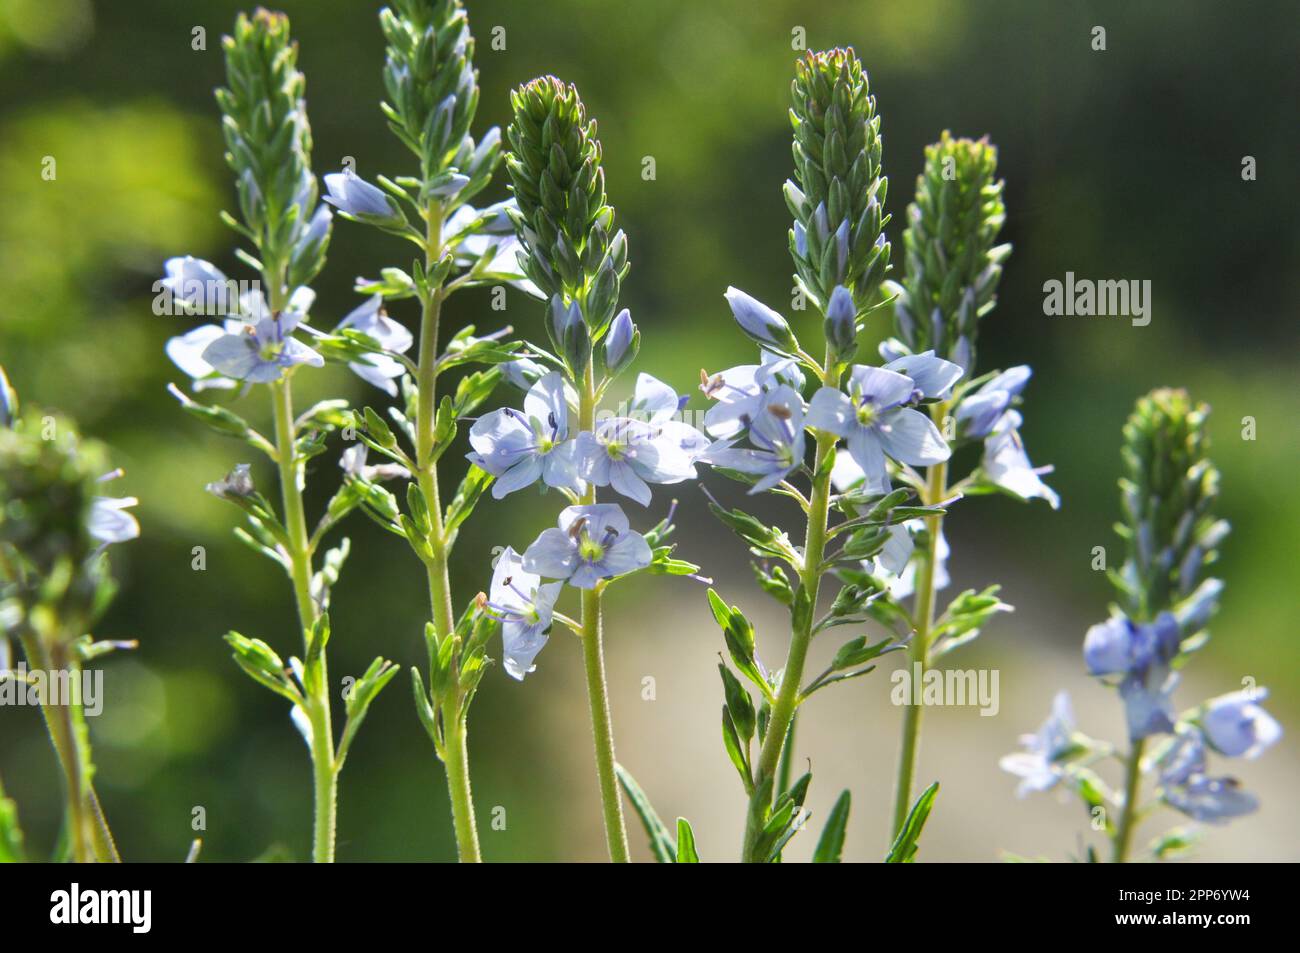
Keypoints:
pixel 371 320
pixel 649 446
pixel 933 376
pixel 592 543
pixel 525 608
pixel 353 195
pixel 260 353
pixel 519 448
pixel 1236 724
pixel 777 435
pixel 1141 653
pixel 198 286
pixel 186 352
pixel 760 322
pixel 1007 466
pixel 657 404
pixel 875 422
pixel 740 392
pixel 1185 786
pixel 978 413
pixel 109 520
pixel 1038 765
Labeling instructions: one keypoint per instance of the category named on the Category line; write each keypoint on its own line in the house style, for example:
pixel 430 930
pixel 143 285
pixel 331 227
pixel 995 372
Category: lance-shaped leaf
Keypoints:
pixel 467 496
pixel 965 616
pixel 661 840
pixel 763 540
pixel 908 840
pixel 739 636
pixel 830 846
pixel 775 582
pixel 357 702
pixel 686 852
pixel 262 664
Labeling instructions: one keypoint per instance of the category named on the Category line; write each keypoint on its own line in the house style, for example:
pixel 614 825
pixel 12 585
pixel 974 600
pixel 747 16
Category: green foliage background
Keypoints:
pixel 1119 164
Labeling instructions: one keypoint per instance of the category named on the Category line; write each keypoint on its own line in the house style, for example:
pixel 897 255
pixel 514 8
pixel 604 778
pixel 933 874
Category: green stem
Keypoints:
pixel 1128 815
pixel 919 650
pixel 593 658
pixel 455 754
pixel 787 699
pixel 456 761
pixel 324 775
pixel 88 828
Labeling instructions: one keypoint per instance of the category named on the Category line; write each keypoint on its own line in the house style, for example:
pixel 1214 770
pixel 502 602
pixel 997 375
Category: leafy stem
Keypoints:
pixel 918 653
pixel 299 547
pixel 454 753
pixel 788 695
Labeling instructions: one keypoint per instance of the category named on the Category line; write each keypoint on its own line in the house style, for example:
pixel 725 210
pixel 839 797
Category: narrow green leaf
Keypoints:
pixel 661 840
pixel 830 846
pixel 686 853
pixel 905 846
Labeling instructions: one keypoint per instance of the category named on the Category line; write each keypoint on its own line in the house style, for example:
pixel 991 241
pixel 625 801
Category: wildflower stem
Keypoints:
pixel 594 661
pixel 455 754
pixel 787 699
pixel 1128 815
pixel 317 706
pixel 919 650
pixel 86 841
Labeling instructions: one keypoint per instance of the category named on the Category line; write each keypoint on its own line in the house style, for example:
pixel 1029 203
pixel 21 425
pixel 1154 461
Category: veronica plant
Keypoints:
pixel 258 343
pixel 953 265
pixel 1165 600
pixel 573 253
pixel 765 430
pixel 55 526
pixel 432 89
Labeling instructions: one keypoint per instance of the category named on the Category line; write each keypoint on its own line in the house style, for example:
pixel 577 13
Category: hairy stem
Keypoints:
pixel 787 699
pixel 918 652
pixel 324 775
pixel 455 754
pixel 456 762
pixel 593 658
pixel 1128 815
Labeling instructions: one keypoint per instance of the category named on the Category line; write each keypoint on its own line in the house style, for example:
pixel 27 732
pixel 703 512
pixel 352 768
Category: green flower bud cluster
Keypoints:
pixel 268 145
pixel 838 201
pixel 953 265
pixel 48 576
pixel 1169 490
pixel 565 226
pixel 433 95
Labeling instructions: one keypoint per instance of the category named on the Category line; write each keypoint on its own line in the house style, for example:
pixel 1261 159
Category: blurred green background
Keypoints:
pixel 1119 164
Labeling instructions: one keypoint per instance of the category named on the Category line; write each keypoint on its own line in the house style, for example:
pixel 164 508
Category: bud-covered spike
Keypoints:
pixel 268 146
pixel 838 204
pixel 953 265
pixel 563 221
pixel 433 90
pixel 1168 493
